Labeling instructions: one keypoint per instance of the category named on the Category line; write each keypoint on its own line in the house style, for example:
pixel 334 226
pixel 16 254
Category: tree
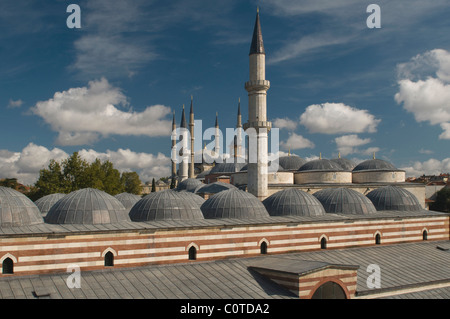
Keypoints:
pixel 51 180
pixel 172 183
pixel 153 185
pixel 74 171
pixel 131 183
pixel 442 202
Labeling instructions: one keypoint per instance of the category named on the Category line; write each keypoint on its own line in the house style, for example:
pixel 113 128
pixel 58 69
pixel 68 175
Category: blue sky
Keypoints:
pixel 109 88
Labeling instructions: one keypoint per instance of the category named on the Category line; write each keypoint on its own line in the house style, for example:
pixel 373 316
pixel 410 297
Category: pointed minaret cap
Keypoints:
pixel 257 46
pixel 217 120
pixel 192 105
pixel 173 119
pixel 183 119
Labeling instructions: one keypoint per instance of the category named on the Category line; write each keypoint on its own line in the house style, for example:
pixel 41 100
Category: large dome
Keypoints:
pixel 343 200
pixel 45 203
pixel 227 168
pixel 87 206
pixel 233 203
pixel 167 205
pixel 189 185
pixel 17 210
pixel 128 200
pixel 323 165
pixel 293 202
pixel 213 188
pixel 374 165
pixel 394 198
pixel 291 162
pixel 345 163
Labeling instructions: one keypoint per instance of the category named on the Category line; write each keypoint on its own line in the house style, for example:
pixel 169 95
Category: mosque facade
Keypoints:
pixel 302 207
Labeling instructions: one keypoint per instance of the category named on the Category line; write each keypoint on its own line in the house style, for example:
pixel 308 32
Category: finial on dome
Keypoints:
pixel 320 155
pixel 373 155
pixel 339 155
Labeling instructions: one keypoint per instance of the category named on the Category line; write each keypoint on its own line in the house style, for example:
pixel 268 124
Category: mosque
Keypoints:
pixel 312 229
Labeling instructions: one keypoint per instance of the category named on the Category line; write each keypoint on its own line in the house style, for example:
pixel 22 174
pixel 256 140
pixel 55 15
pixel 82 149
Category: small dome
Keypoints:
pixel 233 203
pixel 45 203
pixel 291 162
pixel 213 188
pixel 189 185
pixel 343 200
pixel 128 200
pixel 227 168
pixel 270 168
pixel 88 206
pixel 17 210
pixel 167 205
pixel 346 164
pixel 293 202
pixel 374 165
pixel 394 198
pixel 324 165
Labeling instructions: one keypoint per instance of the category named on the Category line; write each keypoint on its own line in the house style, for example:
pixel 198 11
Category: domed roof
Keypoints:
pixel 189 185
pixel 213 188
pixel 394 198
pixel 345 163
pixel 87 206
pixel 227 168
pixel 375 165
pixel 233 203
pixel 320 165
pixel 270 168
pixel 17 210
pixel 45 203
pixel 343 200
pixel 293 202
pixel 128 200
pixel 167 205
pixel 203 174
pixel 291 162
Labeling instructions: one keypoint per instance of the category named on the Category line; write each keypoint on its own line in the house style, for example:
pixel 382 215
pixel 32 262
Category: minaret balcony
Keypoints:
pixel 258 85
pixel 258 125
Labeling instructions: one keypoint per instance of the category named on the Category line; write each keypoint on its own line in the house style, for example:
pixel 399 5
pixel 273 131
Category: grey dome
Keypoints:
pixel 324 165
pixel 345 163
pixel 293 202
pixel 227 168
pixel 375 165
pixel 270 168
pixel 45 203
pixel 394 198
pixel 189 185
pixel 213 188
pixel 128 200
pixel 233 203
pixel 167 205
pixel 17 210
pixel 291 162
pixel 343 200
pixel 203 174
pixel 87 206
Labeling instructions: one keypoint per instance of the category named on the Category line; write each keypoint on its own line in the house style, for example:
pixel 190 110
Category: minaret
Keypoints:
pixel 257 88
pixel 174 149
pixel 183 166
pixel 191 130
pixel 239 130
pixel 217 140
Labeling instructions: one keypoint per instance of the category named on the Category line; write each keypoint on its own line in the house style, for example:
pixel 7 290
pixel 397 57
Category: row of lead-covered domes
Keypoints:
pixel 92 206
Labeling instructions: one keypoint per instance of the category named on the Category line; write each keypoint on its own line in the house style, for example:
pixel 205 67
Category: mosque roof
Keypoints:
pixel 189 185
pixel 375 165
pixel 320 165
pixel 167 205
pixel 213 188
pixel 293 202
pixel 291 162
pixel 128 200
pixel 45 203
pixel 227 168
pixel 233 203
pixel 344 200
pixel 345 163
pixel 87 206
pixel 394 198
pixel 203 174
pixel 16 209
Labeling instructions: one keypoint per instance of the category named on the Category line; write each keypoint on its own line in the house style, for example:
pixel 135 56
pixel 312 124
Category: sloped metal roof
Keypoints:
pixel 17 210
pixel 213 188
pixel 293 202
pixel 227 168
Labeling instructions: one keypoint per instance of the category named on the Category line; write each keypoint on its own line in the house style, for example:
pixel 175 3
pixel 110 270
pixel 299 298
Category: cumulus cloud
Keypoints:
pixel 348 144
pixel 12 104
pixel 82 115
pixel 285 123
pixel 428 167
pixel 337 118
pixel 295 142
pixel 424 88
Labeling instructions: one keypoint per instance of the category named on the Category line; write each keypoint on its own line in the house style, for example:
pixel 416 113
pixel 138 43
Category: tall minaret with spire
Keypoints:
pixel 183 165
pixel 191 130
pixel 174 148
pixel 239 130
pixel 217 140
pixel 257 88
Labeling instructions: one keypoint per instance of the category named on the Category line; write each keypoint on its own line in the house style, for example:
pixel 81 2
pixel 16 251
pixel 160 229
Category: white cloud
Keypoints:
pixel 14 103
pixel 348 144
pixel 424 151
pixel 427 99
pixel 295 142
pixel 285 123
pixel 428 167
pixel 336 118
pixel 82 115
